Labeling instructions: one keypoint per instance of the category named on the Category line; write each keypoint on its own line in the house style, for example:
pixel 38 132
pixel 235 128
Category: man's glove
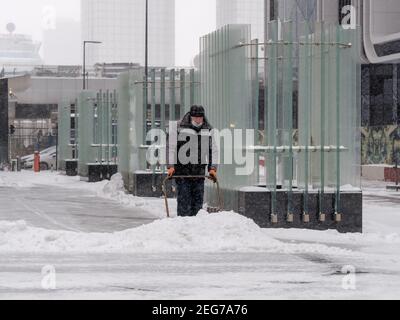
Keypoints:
pixel 171 172
pixel 213 175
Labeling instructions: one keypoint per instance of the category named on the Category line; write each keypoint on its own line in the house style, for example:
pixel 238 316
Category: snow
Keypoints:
pixel 115 191
pixel 111 190
pixel 378 165
pixel 139 253
pixel 223 232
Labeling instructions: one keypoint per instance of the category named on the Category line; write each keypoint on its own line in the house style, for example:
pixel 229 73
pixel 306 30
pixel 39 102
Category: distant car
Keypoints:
pixel 47 159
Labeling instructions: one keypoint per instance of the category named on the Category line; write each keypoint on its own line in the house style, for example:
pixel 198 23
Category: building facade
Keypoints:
pixel 33 103
pixel 379 25
pixel 242 12
pixel 18 52
pixel 120 26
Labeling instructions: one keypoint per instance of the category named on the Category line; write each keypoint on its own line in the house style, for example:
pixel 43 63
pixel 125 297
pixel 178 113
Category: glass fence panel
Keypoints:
pixel 226 94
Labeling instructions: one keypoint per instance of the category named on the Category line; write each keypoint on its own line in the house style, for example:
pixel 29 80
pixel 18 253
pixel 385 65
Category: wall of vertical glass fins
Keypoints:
pixel 67 152
pixel 88 139
pixel 311 176
pixel 147 104
pixel 312 173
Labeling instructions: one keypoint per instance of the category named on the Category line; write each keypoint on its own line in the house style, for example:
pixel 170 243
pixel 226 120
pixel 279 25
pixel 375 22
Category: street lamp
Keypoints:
pixel 84 60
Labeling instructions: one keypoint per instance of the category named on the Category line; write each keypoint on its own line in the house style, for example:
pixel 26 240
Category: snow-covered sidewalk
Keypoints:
pixel 135 252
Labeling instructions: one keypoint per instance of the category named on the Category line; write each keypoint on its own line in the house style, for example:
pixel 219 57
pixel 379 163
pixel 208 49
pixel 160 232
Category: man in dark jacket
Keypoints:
pixel 193 162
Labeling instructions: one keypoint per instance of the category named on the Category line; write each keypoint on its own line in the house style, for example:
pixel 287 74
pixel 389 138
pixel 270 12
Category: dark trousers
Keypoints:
pixel 190 196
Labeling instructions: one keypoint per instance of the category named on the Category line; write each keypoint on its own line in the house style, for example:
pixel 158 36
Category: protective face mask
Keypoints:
pixel 197 125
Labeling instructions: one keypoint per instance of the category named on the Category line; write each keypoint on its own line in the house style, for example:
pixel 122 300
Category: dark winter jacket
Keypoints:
pixel 205 158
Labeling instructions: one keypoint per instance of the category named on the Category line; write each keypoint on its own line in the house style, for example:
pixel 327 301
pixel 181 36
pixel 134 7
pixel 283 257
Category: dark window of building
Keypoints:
pixel 365 95
pixel 34 111
pixel 272 13
pixel 378 95
pixel 397 97
pixel 261 103
pixel 295 110
pixel 388 48
pixel 376 115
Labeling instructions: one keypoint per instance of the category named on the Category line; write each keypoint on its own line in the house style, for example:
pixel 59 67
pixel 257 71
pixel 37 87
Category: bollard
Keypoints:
pixel 13 165
pixel 19 164
pixel 36 162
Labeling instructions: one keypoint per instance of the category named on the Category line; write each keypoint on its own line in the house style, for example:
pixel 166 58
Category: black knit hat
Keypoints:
pixel 197 111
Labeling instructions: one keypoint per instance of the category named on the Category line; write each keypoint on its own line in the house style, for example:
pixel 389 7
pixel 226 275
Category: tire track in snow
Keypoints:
pixel 44 216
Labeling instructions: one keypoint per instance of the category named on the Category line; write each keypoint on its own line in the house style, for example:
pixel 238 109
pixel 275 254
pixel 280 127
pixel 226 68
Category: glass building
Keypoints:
pixel 120 26
pixel 380 55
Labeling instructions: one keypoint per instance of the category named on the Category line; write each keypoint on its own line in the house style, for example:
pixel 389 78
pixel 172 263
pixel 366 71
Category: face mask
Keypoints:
pixel 197 125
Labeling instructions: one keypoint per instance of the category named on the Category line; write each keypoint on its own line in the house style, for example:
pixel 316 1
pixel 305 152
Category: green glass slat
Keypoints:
pixel 323 115
pixel 153 98
pixel 307 107
pixel 338 127
pixel 162 102
pixel 172 109
pixel 272 112
pixel 288 107
pixel 192 86
pixel 182 93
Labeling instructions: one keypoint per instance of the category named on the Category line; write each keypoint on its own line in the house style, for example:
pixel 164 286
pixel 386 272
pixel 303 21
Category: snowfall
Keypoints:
pixel 62 238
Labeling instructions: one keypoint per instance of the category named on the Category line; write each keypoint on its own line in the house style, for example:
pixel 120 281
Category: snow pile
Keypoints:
pixel 222 232
pixel 114 187
pixel 114 190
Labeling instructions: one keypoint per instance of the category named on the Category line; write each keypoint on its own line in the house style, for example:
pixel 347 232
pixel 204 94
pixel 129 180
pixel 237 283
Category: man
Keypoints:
pixel 203 154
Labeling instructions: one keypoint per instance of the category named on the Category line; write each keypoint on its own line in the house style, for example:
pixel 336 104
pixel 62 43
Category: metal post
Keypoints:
pixel 57 147
pixel 84 64
pixel 146 73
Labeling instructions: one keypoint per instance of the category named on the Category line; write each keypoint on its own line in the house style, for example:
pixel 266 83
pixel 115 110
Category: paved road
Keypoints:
pixel 67 209
pixel 170 276
pixel 190 276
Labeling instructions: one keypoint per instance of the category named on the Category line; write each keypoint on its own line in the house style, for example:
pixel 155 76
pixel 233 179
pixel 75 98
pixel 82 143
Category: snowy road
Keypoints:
pixel 80 230
pixel 187 276
pixel 66 209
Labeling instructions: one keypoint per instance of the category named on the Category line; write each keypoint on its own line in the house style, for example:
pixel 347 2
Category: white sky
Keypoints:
pixel 194 18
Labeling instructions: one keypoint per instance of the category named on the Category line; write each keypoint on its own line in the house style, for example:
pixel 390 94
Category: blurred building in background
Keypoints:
pixel 62 45
pixel 18 52
pixel 242 12
pixel 120 26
